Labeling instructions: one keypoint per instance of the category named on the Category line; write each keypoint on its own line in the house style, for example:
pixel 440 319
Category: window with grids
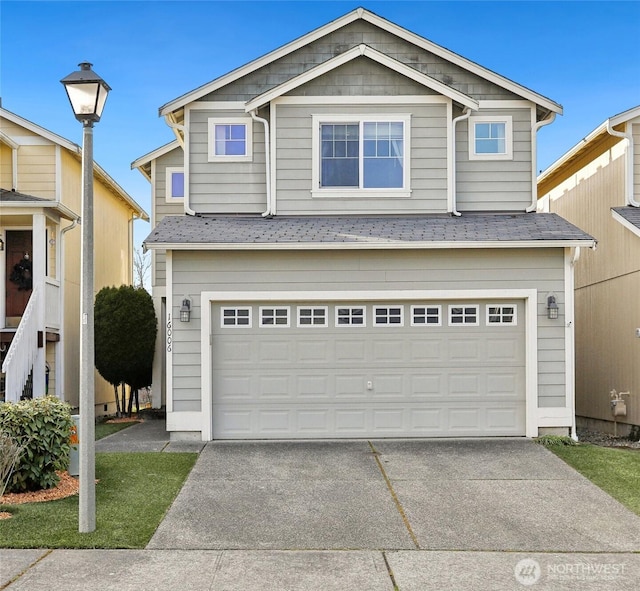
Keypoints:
pixel 490 138
pixel 230 139
pixel 426 316
pixel 313 316
pixel 350 316
pixel 274 316
pixel 502 315
pixel 463 316
pixel 235 317
pixel 388 316
pixel 362 154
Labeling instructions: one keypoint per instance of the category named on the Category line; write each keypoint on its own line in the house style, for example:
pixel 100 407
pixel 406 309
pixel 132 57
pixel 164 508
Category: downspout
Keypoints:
pixel 534 159
pixel 628 164
pixel 60 368
pixel 176 128
pixel 466 113
pixel 271 206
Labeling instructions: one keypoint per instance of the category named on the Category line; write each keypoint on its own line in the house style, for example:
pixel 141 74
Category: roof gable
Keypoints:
pixel 366 16
pixel 354 53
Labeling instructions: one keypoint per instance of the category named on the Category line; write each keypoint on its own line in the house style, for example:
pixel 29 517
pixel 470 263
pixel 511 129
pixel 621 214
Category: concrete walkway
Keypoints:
pixel 422 515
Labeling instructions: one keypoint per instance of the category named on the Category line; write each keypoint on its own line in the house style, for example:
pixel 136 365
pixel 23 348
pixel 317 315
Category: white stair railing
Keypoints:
pixel 23 350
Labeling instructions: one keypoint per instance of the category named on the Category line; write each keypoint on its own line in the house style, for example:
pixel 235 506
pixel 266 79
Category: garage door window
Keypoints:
pixel 273 316
pixel 316 316
pixel 388 316
pixel 350 316
pixel 236 317
pixel 502 315
pixel 463 316
pixel 426 315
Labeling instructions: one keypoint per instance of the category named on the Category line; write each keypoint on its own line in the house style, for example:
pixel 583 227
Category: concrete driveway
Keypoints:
pixel 478 495
pixel 416 515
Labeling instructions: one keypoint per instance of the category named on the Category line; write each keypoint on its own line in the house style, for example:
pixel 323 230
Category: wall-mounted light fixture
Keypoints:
pixel 185 310
pixel 1 244
pixel 552 308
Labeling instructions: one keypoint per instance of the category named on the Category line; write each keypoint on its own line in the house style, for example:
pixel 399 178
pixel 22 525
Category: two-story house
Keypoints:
pixel 40 201
pixel 346 245
pixel 596 184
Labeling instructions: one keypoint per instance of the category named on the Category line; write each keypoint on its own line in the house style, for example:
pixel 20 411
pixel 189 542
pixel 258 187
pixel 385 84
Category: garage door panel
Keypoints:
pixel 361 381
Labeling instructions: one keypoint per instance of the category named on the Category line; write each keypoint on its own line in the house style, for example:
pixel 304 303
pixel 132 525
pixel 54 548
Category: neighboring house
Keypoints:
pixel 596 185
pixel 40 200
pixel 346 245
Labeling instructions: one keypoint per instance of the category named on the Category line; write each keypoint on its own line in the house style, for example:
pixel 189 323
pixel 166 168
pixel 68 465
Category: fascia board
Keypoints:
pixel 260 62
pixel 157 153
pixel 26 207
pixel 584 143
pixel 41 131
pixel 384 24
pixel 382 245
pixel 625 222
pixel 351 54
pixel 5 139
pixel 463 62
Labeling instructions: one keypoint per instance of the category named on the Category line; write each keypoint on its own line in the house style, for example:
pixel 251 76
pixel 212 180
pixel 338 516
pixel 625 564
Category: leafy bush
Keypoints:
pixel 42 427
pixel 554 440
pixel 634 434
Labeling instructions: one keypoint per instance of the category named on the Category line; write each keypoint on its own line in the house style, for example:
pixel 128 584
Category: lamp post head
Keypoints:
pixel 87 94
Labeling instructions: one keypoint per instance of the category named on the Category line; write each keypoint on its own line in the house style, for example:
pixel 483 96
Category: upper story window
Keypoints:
pixel 368 153
pixel 230 139
pixel 490 138
pixel 174 184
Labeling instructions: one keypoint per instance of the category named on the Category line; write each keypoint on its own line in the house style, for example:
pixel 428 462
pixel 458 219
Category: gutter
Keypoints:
pixel 534 160
pixel 271 205
pixel 629 199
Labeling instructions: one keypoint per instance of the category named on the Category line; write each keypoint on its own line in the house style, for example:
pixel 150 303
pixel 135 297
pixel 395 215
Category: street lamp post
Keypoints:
pixel 87 94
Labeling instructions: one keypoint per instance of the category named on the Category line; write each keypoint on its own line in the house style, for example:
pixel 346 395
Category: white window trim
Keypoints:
pixel 514 322
pixel 342 192
pixel 169 172
pixel 312 325
pixel 347 307
pixel 508 132
pixel 427 324
pixel 385 307
pixel 247 122
pixel 456 324
pixel 274 308
pixel 236 309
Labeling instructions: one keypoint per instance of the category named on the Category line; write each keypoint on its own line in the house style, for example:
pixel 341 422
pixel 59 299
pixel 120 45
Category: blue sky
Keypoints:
pixel 583 55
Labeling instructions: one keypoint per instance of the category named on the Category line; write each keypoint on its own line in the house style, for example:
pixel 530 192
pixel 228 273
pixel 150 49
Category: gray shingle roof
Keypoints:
pixel 14 196
pixel 631 214
pixel 217 231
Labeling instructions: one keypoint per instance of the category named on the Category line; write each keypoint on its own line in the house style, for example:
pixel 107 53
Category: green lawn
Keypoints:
pixel 133 494
pixel 616 471
pixel 103 429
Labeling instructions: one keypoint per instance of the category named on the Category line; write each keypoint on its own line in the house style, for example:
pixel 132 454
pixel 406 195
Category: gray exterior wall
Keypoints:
pixel 495 185
pixel 635 130
pixel 194 272
pixel 294 162
pixel 161 208
pixel 224 187
pixel 350 36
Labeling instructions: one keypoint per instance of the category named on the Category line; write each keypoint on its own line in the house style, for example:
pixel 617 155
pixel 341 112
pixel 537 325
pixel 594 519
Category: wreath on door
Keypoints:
pixel 21 275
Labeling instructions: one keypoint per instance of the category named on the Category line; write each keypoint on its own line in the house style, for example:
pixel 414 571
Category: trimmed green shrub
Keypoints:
pixel 42 427
pixel 554 440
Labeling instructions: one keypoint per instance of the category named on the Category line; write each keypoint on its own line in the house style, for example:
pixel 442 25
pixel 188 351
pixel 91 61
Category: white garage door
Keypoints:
pixel 350 369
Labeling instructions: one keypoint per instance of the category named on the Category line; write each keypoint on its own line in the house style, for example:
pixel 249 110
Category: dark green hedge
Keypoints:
pixel 43 427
